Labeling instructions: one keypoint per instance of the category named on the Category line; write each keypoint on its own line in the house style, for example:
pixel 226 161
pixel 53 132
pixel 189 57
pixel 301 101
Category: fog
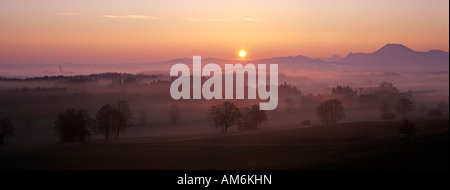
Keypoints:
pixel 33 103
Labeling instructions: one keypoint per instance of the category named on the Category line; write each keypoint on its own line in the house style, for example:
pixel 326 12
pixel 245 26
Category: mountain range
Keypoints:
pixel 399 58
pixel 391 57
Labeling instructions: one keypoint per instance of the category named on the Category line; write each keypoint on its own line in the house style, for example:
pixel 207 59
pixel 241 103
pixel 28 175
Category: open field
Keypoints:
pixel 355 145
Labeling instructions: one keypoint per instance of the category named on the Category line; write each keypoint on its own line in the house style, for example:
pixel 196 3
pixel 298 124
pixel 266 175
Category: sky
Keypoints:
pixel 136 31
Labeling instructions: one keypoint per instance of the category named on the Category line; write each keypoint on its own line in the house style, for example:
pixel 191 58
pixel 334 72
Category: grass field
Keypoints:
pixel 356 145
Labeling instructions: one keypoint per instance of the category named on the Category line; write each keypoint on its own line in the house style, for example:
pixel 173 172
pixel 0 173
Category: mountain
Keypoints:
pixel 334 58
pixel 290 60
pixel 398 57
pixel 299 62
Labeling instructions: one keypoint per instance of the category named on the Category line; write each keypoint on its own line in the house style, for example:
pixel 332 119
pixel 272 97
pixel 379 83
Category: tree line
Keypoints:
pixel 227 114
pixel 73 125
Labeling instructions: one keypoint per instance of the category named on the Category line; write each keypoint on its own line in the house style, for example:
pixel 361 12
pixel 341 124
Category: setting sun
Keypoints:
pixel 242 53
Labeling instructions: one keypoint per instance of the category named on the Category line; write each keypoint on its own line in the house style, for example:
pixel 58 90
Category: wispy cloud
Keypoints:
pixel 191 19
pixel 69 13
pixel 248 19
pixel 143 17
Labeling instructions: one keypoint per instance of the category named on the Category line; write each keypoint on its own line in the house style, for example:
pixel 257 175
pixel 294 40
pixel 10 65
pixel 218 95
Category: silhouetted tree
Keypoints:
pixel 404 106
pixel 174 114
pixel 253 116
pixel 122 117
pixel 443 106
pixel 385 111
pixel 330 111
pixel 224 115
pixel 72 125
pixel 408 128
pixel 105 120
pixel 387 88
pixel 245 115
pixel 345 91
pixel 113 119
pixel 257 115
pixel 6 129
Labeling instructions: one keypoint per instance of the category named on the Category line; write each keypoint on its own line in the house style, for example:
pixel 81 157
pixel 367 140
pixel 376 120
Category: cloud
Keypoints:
pixel 142 17
pixel 190 19
pixel 248 19
pixel 69 13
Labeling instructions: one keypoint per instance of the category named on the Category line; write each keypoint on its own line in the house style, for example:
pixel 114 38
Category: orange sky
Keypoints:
pixel 139 31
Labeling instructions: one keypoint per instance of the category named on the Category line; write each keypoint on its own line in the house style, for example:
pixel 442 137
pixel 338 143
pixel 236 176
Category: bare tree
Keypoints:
pixel 404 106
pixel 6 129
pixel 122 117
pixel 330 111
pixel 224 115
pixel 105 120
pixel 113 119
pixel 408 128
pixel 174 114
pixel 72 125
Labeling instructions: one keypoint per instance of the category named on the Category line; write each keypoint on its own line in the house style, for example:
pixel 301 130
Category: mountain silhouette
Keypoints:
pixel 399 58
pixel 391 57
pixel 299 62
pixel 290 60
pixel 334 58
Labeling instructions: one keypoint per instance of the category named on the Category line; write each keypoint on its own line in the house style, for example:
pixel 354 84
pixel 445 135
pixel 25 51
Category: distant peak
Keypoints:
pixel 395 47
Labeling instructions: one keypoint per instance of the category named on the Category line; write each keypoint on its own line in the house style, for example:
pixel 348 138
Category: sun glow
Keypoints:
pixel 242 53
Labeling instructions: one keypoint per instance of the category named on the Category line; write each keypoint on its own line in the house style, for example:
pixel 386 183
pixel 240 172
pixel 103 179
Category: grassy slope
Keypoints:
pixel 359 145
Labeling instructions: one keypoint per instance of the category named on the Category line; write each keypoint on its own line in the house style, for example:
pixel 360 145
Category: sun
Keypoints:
pixel 242 53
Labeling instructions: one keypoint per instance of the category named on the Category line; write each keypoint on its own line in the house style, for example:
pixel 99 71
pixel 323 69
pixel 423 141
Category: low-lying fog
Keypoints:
pixel 33 103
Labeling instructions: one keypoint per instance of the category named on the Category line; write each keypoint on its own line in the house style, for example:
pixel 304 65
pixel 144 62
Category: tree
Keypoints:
pixel 6 129
pixel 330 111
pixel 387 88
pixel 105 120
pixel 113 119
pixel 257 115
pixel 404 106
pixel 253 116
pixel 122 117
pixel 225 115
pixel 408 128
pixel 72 125
pixel 345 91
pixel 174 114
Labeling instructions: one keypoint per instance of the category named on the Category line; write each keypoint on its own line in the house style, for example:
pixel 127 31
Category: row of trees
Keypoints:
pixel 227 114
pixel 332 111
pixel 405 106
pixel 113 119
pixel 73 125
